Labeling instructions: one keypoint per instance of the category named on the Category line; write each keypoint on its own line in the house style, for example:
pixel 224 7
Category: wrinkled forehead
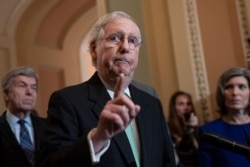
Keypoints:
pixel 122 25
pixel 25 79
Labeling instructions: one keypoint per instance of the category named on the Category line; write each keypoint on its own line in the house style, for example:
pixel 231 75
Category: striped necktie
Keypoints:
pixel 25 142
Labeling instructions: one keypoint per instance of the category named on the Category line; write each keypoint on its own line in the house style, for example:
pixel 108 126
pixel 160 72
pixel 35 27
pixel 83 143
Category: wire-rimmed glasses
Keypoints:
pixel 114 40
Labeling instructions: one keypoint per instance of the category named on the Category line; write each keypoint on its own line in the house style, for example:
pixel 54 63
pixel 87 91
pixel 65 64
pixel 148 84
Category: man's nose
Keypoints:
pixel 29 90
pixel 125 43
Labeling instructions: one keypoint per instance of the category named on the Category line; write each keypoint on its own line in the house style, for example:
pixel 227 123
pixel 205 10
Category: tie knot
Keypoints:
pixel 21 122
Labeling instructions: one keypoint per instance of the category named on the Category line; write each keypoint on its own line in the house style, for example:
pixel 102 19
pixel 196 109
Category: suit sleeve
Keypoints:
pixel 63 143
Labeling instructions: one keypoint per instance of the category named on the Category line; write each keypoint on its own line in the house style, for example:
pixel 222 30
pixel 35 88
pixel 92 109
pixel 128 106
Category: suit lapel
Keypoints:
pixel 143 123
pixel 122 142
pixel 9 140
pixel 37 131
pixel 7 132
pixel 99 95
pixel 37 126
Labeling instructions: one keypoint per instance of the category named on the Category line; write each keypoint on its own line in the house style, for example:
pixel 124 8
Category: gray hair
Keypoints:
pixel 224 78
pixel 97 32
pixel 7 80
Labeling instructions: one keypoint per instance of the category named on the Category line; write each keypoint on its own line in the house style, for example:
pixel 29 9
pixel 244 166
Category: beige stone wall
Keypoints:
pixel 187 44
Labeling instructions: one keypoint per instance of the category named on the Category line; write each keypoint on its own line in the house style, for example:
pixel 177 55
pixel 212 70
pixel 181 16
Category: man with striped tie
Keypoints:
pixel 20 130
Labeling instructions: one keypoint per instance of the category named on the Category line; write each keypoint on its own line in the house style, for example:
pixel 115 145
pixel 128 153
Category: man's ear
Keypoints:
pixel 92 50
pixel 5 96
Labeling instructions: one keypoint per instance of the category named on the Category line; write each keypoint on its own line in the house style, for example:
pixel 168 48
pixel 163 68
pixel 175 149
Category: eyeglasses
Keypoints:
pixel 115 39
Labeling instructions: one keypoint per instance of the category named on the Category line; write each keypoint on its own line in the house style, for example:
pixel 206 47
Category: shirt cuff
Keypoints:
pixel 95 157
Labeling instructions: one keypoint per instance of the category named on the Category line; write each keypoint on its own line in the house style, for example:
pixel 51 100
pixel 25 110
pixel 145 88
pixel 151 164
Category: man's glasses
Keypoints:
pixel 115 39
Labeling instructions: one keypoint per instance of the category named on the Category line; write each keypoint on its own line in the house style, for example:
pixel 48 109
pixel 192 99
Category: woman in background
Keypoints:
pixel 232 98
pixel 183 124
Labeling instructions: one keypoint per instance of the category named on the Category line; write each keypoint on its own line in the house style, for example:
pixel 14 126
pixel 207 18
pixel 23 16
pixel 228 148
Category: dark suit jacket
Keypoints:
pixel 74 111
pixel 11 152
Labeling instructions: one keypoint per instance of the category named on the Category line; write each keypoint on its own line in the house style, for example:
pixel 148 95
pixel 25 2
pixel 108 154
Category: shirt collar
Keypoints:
pixel 12 119
pixel 111 93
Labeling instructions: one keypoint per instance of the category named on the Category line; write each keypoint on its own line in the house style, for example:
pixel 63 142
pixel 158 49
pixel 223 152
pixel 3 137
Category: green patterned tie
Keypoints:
pixel 133 144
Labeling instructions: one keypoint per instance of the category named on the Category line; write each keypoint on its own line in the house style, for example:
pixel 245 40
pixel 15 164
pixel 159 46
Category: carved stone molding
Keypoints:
pixel 197 58
pixel 243 23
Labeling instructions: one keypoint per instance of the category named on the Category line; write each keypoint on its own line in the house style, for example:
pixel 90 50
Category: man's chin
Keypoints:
pixel 28 108
pixel 116 73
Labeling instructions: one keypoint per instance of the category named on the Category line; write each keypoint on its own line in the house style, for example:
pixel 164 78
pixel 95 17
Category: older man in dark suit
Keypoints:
pixel 106 121
pixel 19 87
